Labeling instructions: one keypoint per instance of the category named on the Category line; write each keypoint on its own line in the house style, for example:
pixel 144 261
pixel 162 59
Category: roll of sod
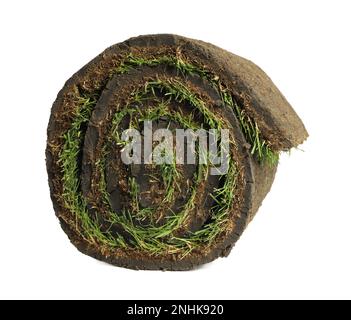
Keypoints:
pixel 163 216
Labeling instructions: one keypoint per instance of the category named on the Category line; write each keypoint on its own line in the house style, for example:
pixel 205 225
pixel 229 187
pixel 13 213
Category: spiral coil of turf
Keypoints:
pixel 169 216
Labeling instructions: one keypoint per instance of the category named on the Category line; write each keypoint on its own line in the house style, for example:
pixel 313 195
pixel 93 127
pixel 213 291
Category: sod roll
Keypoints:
pixel 163 216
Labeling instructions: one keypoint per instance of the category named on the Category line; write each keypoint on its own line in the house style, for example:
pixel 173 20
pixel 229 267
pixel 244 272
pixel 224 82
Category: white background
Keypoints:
pixel 299 244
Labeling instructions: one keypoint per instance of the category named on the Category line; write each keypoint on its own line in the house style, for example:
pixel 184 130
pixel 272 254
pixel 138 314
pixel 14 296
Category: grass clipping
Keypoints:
pixel 169 216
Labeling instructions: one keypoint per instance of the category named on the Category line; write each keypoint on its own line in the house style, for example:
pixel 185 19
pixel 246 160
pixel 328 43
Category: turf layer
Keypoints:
pixel 168 216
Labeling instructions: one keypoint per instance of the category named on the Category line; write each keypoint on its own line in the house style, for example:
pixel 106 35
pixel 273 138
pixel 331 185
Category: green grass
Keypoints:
pixel 160 239
pixel 170 175
pixel 180 93
pixel 72 197
pixel 224 199
pixel 260 148
pixel 152 238
pixel 134 193
pixel 157 239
